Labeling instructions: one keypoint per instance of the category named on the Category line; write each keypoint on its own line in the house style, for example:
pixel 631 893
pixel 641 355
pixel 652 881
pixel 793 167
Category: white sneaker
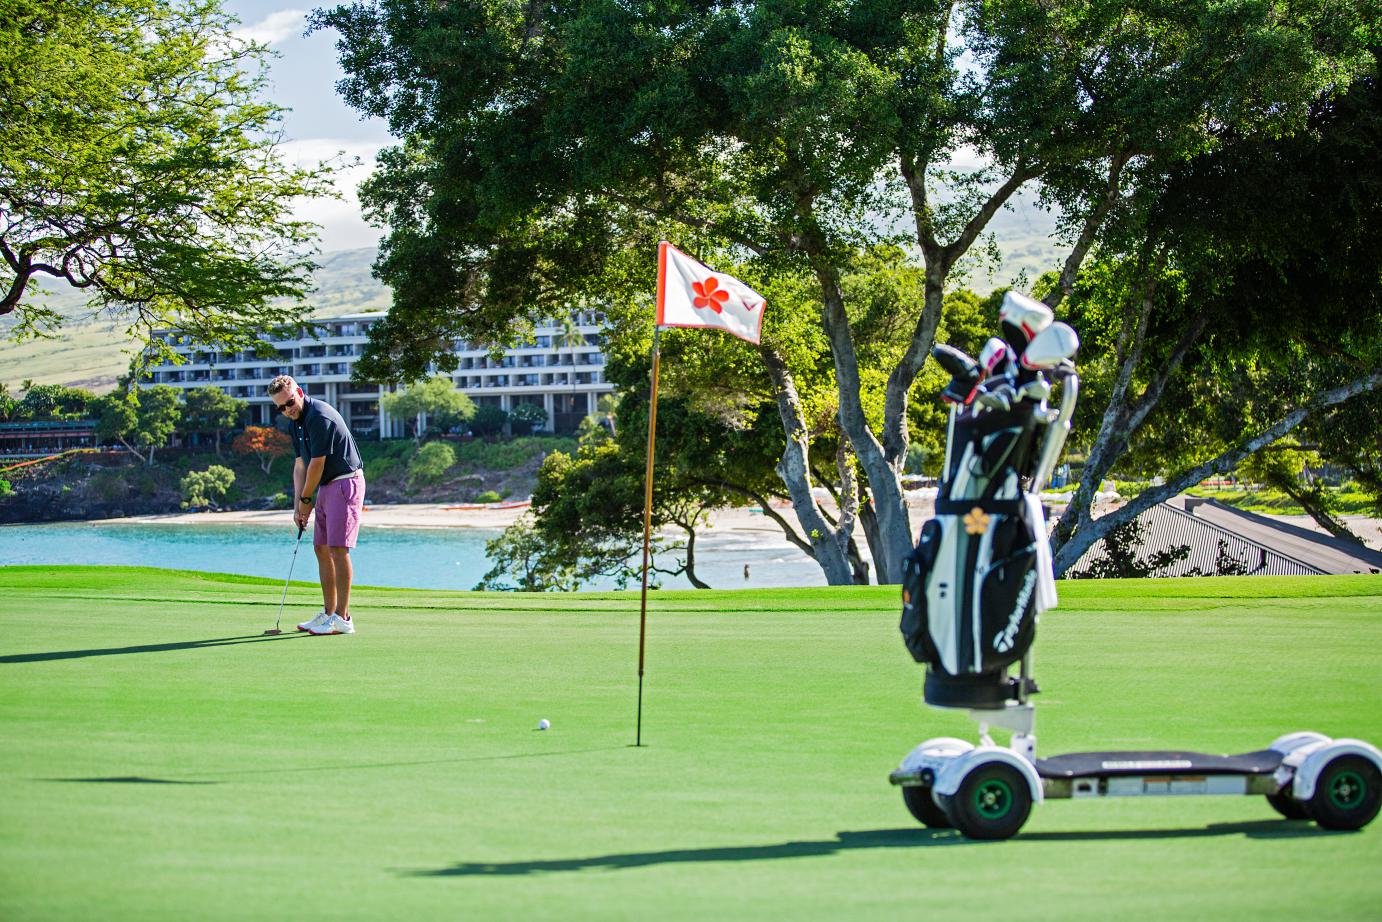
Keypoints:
pixel 315 622
pixel 334 624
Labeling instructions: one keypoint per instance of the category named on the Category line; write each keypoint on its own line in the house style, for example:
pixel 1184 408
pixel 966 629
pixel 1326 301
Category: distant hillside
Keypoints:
pixel 93 351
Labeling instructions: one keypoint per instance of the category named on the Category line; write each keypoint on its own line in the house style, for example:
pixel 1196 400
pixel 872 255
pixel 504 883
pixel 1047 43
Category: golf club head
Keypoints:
pixel 1052 346
pixel 1022 318
pixel 1000 397
pixel 273 630
pixel 964 373
pixel 996 358
pixel 1036 390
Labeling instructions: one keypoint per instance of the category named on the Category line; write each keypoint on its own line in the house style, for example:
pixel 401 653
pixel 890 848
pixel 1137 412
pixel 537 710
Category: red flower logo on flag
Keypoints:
pixel 709 294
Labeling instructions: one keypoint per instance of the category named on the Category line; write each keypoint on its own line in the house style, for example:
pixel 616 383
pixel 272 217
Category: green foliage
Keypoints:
pixel 430 464
pixel 141 163
pixel 527 417
pixel 488 420
pixel 140 418
pixel 280 501
pixel 201 489
pixel 210 409
pixel 52 401
pixel 108 486
pixel 1121 556
pixel 489 496
pixel 5 488
pixel 445 406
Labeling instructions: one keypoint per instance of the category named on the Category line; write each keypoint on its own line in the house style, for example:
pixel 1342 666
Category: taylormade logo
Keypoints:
pixel 1003 640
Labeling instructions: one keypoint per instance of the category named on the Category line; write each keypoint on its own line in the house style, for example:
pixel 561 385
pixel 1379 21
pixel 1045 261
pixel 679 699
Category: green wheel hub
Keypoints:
pixel 993 799
pixel 1347 790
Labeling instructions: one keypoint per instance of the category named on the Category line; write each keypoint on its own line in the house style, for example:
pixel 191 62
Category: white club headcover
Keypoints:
pixel 994 354
pixel 1050 347
pixel 1027 314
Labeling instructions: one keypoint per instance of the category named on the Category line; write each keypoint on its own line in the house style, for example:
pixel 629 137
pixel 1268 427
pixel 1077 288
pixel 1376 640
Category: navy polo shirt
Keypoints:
pixel 321 433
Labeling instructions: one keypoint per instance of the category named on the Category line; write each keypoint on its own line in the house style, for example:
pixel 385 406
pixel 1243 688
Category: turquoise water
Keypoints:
pixel 452 558
pixel 417 558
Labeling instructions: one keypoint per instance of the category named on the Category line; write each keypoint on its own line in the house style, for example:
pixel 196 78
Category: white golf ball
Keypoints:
pixel 544 724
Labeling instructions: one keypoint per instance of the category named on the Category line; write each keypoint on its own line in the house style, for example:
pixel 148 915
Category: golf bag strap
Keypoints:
pixel 1010 507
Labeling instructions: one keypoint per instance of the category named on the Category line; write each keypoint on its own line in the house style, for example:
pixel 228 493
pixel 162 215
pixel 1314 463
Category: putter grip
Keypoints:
pixel 301 529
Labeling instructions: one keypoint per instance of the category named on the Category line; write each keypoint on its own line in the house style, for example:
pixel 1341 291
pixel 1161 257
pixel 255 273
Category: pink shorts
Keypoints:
pixel 338 505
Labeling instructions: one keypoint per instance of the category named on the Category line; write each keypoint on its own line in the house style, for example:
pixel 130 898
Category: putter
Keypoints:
pixel 276 629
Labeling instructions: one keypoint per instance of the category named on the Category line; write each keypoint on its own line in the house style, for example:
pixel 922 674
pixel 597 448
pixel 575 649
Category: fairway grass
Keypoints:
pixel 161 759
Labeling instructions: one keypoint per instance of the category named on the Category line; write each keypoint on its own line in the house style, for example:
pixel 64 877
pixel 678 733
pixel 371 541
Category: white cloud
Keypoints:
pixel 275 27
pixel 343 227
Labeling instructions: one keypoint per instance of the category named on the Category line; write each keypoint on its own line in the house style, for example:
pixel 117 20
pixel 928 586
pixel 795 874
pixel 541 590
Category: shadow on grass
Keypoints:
pixel 848 841
pixel 145 648
pixel 126 779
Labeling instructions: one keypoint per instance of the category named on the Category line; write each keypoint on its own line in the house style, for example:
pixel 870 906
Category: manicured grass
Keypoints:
pixel 398 773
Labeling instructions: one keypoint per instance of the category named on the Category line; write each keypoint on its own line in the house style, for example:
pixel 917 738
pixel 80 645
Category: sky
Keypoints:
pixel 320 126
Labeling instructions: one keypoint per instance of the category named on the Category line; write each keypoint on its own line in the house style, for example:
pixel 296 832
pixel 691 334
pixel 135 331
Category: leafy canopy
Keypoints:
pixel 140 164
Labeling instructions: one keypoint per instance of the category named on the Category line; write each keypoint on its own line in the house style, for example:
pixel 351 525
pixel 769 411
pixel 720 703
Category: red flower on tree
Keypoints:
pixel 709 294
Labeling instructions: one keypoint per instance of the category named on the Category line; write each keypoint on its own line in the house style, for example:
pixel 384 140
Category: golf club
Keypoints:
pixel 276 629
pixel 964 373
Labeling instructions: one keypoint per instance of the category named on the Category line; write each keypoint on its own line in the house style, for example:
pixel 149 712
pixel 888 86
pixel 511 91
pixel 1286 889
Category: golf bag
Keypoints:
pixel 982 572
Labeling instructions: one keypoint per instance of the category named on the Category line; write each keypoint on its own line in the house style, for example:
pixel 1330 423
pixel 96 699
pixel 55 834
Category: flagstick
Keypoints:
pixel 647 529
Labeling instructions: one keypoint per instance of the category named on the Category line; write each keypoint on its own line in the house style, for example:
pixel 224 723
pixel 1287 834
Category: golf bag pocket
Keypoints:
pixel 1007 608
pixel 916 571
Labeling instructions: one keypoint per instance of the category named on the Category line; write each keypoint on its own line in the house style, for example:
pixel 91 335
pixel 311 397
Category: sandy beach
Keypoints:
pixel 746 520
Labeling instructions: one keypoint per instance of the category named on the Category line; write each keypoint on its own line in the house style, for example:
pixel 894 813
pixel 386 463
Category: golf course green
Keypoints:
pixel 161 758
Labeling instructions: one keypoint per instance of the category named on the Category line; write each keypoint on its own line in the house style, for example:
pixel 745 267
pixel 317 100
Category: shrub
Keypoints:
pixel 430 464
pixel 488 421
pixel 108 486
pixel 526 418
pixel 205 488
pixel 280 501
pixel 489 496
pixel 5 488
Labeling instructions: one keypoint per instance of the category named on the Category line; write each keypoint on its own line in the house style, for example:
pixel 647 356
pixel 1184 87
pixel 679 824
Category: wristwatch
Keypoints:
pixel 306 499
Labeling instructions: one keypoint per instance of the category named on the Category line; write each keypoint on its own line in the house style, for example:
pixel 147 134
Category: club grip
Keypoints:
pixel 301 529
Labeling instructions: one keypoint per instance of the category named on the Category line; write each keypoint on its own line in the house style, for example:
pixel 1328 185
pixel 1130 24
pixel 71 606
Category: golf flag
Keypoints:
pixel 693 295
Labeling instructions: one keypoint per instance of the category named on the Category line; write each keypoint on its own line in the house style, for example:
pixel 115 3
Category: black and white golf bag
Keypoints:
pixel 981 572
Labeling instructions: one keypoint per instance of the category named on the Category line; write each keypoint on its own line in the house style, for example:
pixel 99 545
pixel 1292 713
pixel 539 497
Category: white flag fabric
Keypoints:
pixel 692 295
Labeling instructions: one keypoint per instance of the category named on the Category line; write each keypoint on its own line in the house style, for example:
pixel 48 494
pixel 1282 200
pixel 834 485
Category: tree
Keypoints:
pixel 527 417
pixel 1281 467
pixel 488 420
pixel 430 464
pixel 141 165
pixel 436 399
pixel 202 489
pixel 54 401
pixel 210 409
pixel 775 139
pixel 144 417
pixel 266 442
pixel 1238 303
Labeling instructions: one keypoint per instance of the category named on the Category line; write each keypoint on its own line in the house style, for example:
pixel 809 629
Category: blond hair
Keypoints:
pixel 282 383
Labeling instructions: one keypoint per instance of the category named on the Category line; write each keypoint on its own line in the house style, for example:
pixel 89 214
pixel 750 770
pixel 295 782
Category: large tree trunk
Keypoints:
pixel 795 471
pixel 690 569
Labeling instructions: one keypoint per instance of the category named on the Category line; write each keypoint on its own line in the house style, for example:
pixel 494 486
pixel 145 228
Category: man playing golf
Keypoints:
pixel 327 476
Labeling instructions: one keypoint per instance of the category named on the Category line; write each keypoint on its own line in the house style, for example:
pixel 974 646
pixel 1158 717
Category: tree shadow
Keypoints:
pixel 917 837
pixel 146 648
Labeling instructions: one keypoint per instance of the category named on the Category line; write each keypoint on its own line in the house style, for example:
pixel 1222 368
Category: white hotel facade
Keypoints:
pixel 564 378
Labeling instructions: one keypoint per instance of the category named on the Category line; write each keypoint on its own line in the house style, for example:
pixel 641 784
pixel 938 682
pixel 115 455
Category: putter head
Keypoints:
pixel 1049 348
pixel 964 373
pixel 273 630
pixel 1022 318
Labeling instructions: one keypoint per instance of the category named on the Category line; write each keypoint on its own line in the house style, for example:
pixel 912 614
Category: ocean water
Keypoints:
pixel 418 558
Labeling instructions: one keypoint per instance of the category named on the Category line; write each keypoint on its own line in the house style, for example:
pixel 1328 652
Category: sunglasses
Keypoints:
pixel 281 408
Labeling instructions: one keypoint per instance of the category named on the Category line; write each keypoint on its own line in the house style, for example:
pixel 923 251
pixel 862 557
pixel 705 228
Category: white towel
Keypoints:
pixel 1045 567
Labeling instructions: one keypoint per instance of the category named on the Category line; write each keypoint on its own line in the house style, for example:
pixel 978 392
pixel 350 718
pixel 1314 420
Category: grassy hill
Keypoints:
pixel 92 350
pixel 165 760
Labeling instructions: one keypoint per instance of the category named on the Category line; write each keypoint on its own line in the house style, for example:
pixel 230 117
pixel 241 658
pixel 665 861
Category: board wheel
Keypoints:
pixel 923 806
pixel 1347 793
pixel 992 802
